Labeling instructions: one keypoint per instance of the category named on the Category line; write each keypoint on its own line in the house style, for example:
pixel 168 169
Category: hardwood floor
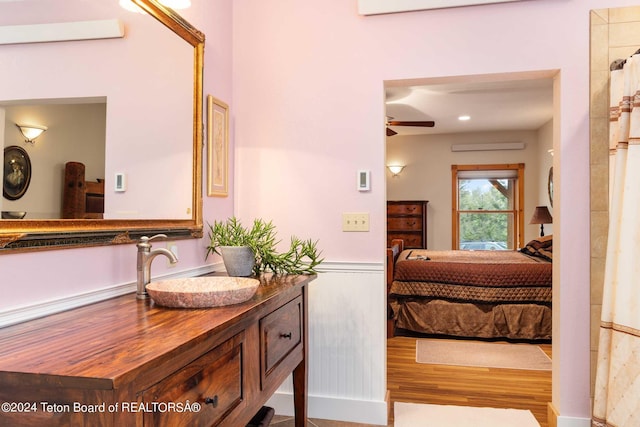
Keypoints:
pixel 409 381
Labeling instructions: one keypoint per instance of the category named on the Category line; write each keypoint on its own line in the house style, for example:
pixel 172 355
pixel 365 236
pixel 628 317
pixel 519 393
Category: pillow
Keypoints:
pixel 541 247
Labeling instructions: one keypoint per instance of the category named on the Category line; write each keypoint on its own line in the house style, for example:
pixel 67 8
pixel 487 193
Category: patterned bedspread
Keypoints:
pixel 473 276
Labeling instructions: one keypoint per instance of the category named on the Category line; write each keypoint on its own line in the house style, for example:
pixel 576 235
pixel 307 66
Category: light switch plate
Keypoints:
pixel 356 221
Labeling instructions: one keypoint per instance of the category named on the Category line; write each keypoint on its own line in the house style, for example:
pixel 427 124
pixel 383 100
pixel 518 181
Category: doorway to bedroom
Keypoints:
pixel 432 124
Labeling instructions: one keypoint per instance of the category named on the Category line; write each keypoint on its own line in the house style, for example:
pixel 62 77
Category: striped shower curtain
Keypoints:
pixel 617 390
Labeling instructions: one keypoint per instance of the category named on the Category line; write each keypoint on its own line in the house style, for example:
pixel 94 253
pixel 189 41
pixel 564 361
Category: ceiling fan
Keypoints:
pixel 391 122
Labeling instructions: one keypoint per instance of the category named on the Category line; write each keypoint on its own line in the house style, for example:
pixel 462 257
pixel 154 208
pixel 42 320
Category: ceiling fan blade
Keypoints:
pixel 391 132
pixel 427 124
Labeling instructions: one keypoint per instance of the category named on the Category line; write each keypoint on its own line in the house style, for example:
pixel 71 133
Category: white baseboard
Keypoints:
pixel 331 408
pixel 23 314
pixel 573 422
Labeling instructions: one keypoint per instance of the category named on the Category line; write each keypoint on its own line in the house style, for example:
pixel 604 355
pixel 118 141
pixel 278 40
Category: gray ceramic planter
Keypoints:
pixel 238 260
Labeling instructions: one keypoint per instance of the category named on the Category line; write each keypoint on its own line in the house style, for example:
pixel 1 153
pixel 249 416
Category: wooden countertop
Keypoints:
pixel 110 343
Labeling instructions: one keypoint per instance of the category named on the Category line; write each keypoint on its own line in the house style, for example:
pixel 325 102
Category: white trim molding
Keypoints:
pixel 63 31
pixel 573 422
pixel 331 408
pixel 23 314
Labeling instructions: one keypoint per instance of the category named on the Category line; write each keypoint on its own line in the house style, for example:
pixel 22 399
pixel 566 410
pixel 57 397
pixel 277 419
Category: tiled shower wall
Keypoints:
pixel 615 33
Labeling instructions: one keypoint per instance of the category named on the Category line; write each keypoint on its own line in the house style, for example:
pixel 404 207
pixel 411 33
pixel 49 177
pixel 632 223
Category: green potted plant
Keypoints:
pixel 255 249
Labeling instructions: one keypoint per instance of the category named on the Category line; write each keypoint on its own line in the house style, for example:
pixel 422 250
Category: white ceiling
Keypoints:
pixel 494 105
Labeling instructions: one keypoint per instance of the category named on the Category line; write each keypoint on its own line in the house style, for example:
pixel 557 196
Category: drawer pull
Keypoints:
pixel 213 401
pixel 286 335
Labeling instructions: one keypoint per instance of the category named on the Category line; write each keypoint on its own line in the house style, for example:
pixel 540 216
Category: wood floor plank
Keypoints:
pixel 409 381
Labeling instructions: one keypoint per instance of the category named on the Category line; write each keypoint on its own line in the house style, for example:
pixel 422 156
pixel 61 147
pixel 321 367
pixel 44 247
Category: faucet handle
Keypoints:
pixel 144 240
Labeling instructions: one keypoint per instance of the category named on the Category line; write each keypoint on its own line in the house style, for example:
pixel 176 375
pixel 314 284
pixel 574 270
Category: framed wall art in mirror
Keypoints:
pixel 217 147
pixel 17 173
pixel 136 141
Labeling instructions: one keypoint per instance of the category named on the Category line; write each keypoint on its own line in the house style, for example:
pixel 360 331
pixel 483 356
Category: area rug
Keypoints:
pixel 482 354
pixel 424 415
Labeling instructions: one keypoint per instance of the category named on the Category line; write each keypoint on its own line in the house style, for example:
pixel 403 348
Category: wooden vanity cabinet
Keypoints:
pixel 127 362
pixel 214 379
pixel 281 334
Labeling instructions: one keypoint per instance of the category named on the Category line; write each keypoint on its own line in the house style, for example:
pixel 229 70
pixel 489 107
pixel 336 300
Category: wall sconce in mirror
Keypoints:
pixel 173 4
pixel 395 169
pixel 541 216
pixel 31 132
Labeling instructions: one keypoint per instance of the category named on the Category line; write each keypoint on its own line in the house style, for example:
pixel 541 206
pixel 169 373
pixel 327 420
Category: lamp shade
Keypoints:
pixel 31 132
pixel 541 216
pixel 395 169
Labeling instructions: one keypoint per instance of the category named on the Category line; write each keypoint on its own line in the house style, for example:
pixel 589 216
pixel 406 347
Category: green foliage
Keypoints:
pixel 483 226
pixel 302 257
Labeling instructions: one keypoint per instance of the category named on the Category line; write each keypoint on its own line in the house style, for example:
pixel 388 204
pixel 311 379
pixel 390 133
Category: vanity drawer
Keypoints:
pixel 280 336
pixel 214 381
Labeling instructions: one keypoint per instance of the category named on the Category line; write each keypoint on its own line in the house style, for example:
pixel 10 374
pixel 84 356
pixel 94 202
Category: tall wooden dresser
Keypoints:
pixel 407 220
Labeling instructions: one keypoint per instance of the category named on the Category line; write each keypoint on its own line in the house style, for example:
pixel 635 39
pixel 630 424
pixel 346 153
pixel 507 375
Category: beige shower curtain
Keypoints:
pixel 617 391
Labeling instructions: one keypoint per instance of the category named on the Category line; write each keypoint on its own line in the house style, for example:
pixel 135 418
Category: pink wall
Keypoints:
pixel 28 279
pixel 308 105
pixel 307 113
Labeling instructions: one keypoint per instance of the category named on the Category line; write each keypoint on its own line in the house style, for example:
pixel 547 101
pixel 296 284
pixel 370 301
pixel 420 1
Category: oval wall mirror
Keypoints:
pixel 146 176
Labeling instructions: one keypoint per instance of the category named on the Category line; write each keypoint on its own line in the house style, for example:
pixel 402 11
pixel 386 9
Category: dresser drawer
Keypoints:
pixel 280 338
pixel 404 209
pixel 404 223
pixel 214 381
pixel 410 240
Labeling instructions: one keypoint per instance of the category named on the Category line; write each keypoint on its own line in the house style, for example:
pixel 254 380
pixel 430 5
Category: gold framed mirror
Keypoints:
pixel 42 234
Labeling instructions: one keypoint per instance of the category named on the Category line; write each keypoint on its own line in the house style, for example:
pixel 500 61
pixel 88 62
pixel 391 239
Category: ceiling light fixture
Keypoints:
pixel 31 132
pixel 464 118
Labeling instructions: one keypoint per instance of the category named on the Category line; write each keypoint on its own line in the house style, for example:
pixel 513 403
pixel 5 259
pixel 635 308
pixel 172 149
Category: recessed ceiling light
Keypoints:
pixel 464 118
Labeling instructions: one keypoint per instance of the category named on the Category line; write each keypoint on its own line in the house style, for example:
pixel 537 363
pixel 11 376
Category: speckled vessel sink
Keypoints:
pixel 200 292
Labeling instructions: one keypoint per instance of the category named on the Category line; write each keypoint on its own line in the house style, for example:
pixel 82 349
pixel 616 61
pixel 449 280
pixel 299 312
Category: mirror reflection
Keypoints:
pixel 75 132
pixel 127 109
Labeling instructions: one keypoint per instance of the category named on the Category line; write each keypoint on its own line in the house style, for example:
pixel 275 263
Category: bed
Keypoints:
pixel 471 294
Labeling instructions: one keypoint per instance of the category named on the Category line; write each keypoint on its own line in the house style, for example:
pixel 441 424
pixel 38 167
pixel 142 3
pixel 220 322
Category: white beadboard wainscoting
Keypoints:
pixel 347 346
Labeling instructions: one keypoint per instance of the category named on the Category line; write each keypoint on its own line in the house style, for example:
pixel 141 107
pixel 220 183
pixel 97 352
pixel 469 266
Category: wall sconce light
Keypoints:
pixel 173 4
pixel 395 169
pixel 541 216
pixel 31 132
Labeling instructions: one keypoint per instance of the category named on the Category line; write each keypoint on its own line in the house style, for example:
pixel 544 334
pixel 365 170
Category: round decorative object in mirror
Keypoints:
pixel 13 214
pixel 550 186
pixel 17 172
